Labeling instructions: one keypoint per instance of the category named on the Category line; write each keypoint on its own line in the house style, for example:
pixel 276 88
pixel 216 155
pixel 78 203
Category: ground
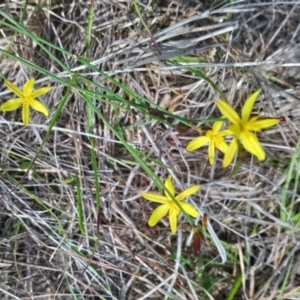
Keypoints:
pixel 133 82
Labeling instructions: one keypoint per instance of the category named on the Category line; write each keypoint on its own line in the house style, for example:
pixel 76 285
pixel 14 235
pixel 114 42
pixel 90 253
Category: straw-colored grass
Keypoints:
pixel 73 223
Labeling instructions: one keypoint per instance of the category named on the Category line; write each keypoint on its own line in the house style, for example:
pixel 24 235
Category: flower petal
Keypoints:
pixel 217 126
pixel 169 187
pixel 230 153
pixel 225 132
pixel 25 114
pixel 251 143
pixel 158 213
pixel 173 220
pixel 192 190
pixel 247 108
pixel 228 112
pixel 28 87
pixel 254 118
pixel 190 209
pixel 11 104
pixel 39 106
pixel 40 92
pixel 211 152
pixel 197 143
pixel 262 124
pixel 155 198
pixel 221 145
pixel 14 89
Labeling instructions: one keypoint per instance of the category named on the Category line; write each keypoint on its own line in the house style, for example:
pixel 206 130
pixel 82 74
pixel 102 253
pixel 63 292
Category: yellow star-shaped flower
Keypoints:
pixel 243 127
pixel 168 205
pixel 26 99
pixel 214 138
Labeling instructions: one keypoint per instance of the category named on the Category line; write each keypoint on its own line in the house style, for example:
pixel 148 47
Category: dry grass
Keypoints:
pixel 49 249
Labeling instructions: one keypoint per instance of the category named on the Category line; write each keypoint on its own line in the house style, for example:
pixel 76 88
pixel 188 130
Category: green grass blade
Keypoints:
pixel 79 206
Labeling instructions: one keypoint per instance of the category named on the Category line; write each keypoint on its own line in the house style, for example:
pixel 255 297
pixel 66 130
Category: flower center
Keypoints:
pixel 173 206
pixel 27 99
pixel 236 129
pixel 246 127
pixel 217 138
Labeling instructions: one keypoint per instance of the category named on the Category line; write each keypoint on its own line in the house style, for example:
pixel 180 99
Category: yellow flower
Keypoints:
pixel 242 128
pixel 214 138
pixel 168 205
pixel 26 99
